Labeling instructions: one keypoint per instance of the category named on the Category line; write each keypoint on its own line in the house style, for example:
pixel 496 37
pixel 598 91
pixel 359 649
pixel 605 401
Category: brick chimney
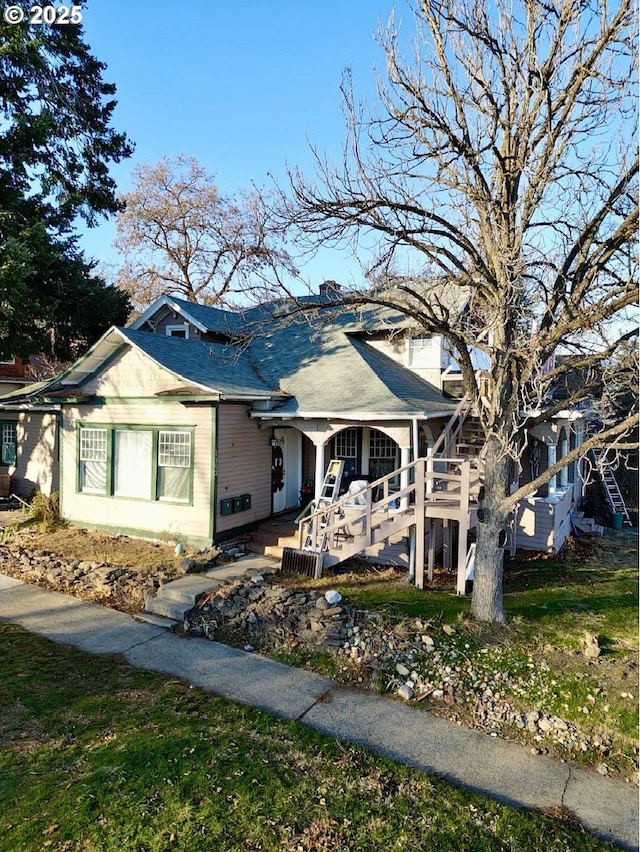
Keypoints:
pixel 328 287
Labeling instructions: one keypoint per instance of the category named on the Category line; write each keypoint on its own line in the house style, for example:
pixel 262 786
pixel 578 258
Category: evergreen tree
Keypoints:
pixel 56 145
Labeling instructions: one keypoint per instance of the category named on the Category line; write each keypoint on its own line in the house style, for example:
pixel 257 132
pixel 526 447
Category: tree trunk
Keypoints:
pixel 486 601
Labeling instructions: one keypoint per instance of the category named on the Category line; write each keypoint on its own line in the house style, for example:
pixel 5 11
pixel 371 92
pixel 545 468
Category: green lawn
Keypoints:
pixel 95 755
pixel 550 604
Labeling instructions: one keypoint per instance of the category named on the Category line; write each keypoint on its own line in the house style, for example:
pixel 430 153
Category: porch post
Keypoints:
pixel 446 544
pixel 432 548
pixel 564 473
pixel 463 526
pixel 319 471
pixel 419 514
pixel 551 459
pixel 405 453
pixel 462 554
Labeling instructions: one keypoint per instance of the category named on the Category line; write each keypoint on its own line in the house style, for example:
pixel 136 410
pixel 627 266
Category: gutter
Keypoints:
pixel 352 415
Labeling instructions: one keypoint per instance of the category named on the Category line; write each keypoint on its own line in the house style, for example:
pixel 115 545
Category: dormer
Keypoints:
pixel 178 318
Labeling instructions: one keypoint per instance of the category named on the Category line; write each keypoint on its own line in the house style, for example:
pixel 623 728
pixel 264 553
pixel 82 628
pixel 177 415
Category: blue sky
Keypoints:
pixel 240 86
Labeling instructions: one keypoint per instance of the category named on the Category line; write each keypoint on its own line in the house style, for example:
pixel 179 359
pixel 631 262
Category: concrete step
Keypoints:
pixel 175 598
pixel 155 620
pixel 275 550
pixel 167 608
pixel 188 589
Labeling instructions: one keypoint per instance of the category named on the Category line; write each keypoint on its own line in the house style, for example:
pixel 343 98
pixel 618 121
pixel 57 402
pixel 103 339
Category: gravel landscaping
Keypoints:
pixel 444 668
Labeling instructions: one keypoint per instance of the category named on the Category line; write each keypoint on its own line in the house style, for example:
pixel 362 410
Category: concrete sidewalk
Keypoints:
pixel 468 758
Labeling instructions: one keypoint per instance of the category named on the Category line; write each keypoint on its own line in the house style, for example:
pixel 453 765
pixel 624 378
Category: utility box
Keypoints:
pixel 246 502
pixel 237 504
pixel 226 506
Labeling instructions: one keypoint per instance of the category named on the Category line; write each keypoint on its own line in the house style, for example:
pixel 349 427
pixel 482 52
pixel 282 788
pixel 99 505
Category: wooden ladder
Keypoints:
pixel 328 496
pixel 610 483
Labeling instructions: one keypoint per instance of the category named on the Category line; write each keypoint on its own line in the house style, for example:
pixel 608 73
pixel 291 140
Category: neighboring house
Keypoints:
pixel 29 441
pixel 171 428
pixel 13 374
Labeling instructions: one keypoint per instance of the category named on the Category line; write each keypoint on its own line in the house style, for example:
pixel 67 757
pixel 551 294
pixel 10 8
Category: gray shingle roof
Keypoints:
pixel 224 369
pixel 323 369
pixel 317 365
pixel 214 319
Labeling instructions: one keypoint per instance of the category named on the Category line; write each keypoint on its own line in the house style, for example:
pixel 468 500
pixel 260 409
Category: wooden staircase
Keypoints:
pixel 430 488
pixel 272 537
pixel 441 486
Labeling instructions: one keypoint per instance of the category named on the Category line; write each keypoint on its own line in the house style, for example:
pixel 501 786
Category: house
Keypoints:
pixel 29 432
pixel 178 427
pixel 13 374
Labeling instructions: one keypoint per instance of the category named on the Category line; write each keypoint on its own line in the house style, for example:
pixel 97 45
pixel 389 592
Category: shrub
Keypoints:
pixel 45 509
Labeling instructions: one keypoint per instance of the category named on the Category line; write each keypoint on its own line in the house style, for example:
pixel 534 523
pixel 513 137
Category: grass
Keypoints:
pixel 95 755
pixel 536 658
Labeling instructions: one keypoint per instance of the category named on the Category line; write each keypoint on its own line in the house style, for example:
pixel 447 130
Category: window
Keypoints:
pixel 93 461
pixel 181 330
pixel 346 444
pixel 8 443
pixel 422 351
pixel 174 465
pixel 453 387
pixel 382 454
pixel 381 446
pixel 132 469
pixel 345 447
pixel 140 463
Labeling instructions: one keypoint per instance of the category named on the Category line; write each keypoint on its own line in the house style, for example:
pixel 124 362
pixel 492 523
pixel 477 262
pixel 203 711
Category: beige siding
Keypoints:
pixel 535 524
pixel 544 525
pixel 132 374
pixel 36 460
pixel 563 511
pixel 394 346
pixel 152 518
pixel 244 466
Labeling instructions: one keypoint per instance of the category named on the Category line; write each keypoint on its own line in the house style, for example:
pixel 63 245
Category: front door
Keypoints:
pixel 286 469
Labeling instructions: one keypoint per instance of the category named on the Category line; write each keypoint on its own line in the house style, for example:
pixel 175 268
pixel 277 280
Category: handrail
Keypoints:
pixel 328 520
pixel 465 403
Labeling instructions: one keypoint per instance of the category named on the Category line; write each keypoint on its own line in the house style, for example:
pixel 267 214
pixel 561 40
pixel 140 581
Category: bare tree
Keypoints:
pixel 179 235
pixel 503 162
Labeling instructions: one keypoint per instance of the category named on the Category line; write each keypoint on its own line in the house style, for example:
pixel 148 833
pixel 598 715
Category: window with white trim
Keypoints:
pixel 181 330
pixel 347 444
pixel 381 446
pixel 8 443
pixel 422 351
pixel 141 463
pixel 383 454
pixel 174 465
pixel 93 461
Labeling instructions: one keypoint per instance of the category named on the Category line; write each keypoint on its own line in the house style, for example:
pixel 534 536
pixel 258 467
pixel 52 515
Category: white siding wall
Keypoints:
pixel 36 461
pixel 244 466
pixel 535 525
pixel 152 518
pixel 427 364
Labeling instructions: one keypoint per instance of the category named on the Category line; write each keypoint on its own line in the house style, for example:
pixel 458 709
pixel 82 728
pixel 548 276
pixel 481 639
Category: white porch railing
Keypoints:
pixel 435 489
